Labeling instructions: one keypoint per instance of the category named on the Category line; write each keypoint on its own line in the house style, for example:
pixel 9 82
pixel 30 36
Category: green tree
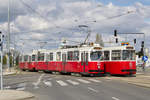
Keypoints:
pixel 4 60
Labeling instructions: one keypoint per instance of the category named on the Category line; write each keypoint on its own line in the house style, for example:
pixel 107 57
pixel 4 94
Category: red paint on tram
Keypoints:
pixel 120 67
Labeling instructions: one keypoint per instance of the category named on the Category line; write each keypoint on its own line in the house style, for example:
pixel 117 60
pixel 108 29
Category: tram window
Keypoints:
pixel 20 58
pixel 128 55
pixel 96 55
pixel 58 56
pixel 116 55
pixel 70 55
pixel 26 58
pixel 29 58
pixel 82 56
pixel 63 57
pixel 33 57
pixel 76 55
pixel 51 56
pixel 42 57
pixel 106 55
pixel 47 57
pixel 38 56
pixel 87 56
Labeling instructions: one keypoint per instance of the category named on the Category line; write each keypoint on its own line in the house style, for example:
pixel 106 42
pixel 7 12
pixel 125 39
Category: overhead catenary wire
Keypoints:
pixel 46 19
pixel 60 27
pixel 33 10
pixel 40 15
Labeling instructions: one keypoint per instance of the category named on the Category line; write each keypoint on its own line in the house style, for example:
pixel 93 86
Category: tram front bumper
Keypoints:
pixel 99 71
pixel 129 70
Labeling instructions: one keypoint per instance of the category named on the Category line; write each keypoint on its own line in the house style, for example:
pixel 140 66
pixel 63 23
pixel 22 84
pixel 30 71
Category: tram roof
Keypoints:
pixel 82 48
pixel 127 47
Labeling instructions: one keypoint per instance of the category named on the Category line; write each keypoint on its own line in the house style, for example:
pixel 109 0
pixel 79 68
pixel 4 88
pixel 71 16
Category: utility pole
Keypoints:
pixel 1 64
pixel 8 38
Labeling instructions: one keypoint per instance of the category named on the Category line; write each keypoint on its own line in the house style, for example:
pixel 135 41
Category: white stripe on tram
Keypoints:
pixel 73 82
pixel 83 81
pixel 61 83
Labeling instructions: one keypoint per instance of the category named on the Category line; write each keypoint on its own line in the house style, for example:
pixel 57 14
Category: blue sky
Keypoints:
pixel 124 2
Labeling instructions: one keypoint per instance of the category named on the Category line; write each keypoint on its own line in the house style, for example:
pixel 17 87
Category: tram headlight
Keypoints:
pixel 98 65
pixel 130 64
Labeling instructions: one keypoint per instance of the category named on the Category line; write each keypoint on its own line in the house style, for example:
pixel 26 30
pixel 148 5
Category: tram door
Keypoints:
pixel 63 62
pixel 84 61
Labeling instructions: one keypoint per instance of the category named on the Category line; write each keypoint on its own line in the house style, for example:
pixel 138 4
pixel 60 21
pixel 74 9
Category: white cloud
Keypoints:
pixel 31 23
pixel 37 36
pixel 146 30
pixel 57 19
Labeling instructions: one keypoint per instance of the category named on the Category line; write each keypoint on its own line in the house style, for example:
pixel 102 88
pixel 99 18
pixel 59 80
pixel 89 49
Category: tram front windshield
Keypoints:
pixel 96 55
pixel 128 55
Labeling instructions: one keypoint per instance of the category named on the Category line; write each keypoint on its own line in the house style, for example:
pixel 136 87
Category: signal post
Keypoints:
pixel 142 43
pixel 1 60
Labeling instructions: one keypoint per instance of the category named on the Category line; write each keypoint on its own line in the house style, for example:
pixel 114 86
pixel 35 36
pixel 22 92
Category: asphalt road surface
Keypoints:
pixel 66 87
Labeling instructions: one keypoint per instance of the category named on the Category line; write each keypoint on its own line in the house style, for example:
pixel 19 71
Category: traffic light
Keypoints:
pixel 1 40
pixel 115 33
pixel 134 41
pixel 116 40
pixel 142 47
pixel 142 44
pixel 142 51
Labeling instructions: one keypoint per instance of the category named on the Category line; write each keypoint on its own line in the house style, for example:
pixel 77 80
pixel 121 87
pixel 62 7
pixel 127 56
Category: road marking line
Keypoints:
pixel 38 81
pixel 73 82
pixel 62 83
pixel 48 83
pixel 83 81
pixel 94 80
pixel 7 87
pixel 21 86
pixel 49 79
pixel 115 98
pixel 93 89
pixel 21 89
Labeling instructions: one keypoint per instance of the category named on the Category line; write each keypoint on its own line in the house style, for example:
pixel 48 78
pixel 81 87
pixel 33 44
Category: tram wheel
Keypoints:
pixel 23 70
pixel 65 73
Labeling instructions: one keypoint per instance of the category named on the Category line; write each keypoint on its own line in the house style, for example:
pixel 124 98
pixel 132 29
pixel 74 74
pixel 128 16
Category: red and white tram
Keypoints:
pixel 120 60
pixel 85 59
